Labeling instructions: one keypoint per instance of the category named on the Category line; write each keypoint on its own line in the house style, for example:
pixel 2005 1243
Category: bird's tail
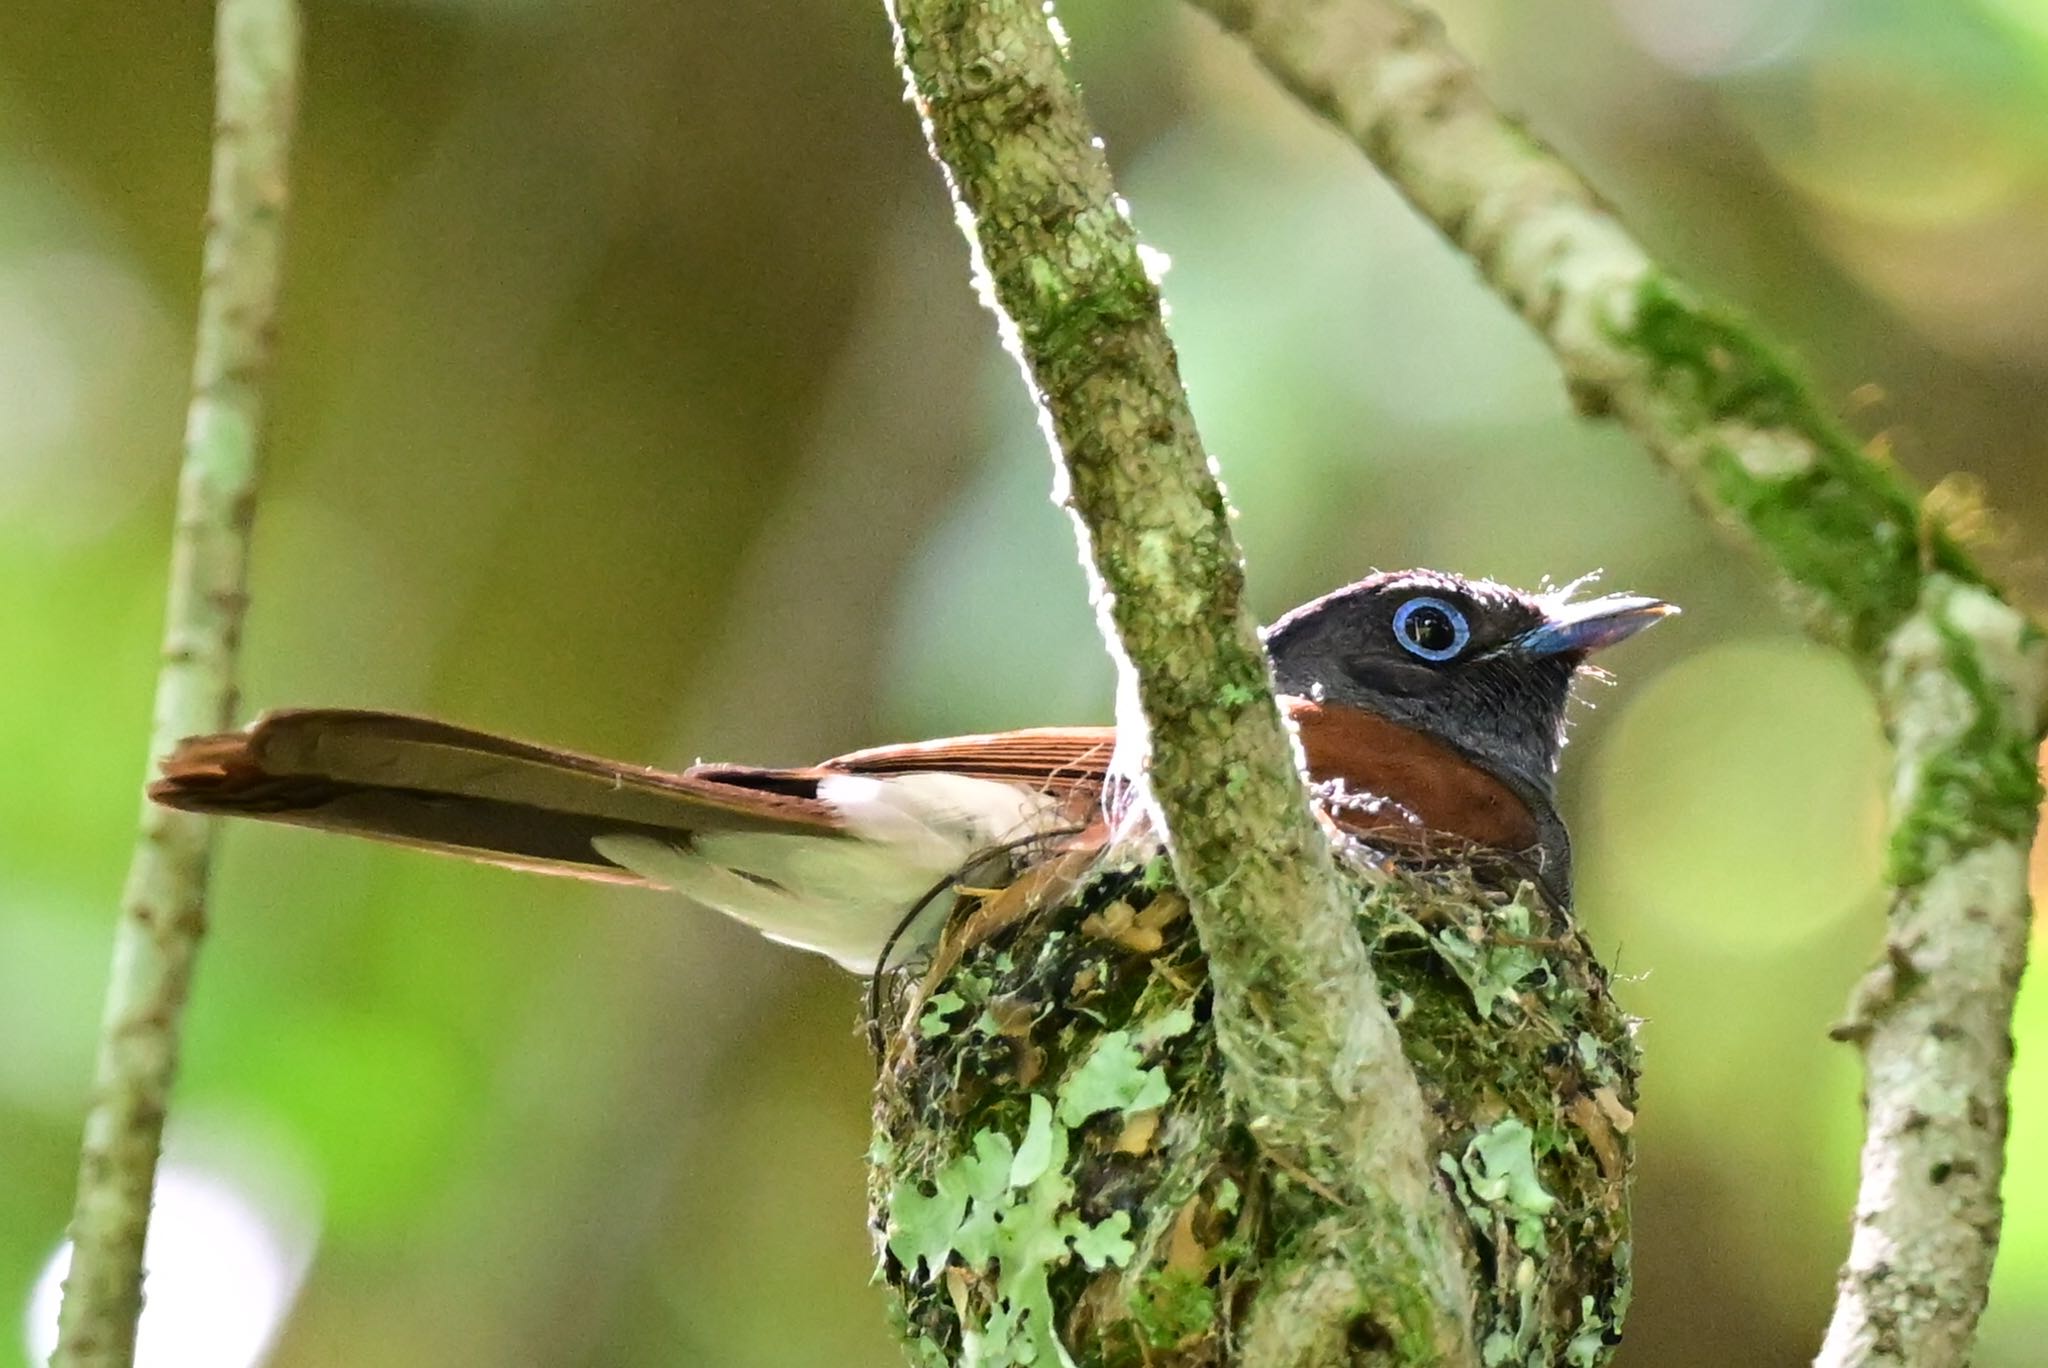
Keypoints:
pixel 830 858
pixel 421 783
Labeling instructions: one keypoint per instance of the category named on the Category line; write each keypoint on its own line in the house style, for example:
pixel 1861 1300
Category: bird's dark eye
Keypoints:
pixel 1431 628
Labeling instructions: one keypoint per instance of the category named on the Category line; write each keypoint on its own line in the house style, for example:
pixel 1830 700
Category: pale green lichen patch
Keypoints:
pixel 942 1006
pixel 1114 1077
pixel 1065 1182
pixel 1497 1174
pixel 993 1224
pixel 1491 960
pixel 1595 1339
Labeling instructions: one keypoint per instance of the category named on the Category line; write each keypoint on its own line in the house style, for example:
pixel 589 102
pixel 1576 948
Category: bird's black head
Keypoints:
pixel 1484 668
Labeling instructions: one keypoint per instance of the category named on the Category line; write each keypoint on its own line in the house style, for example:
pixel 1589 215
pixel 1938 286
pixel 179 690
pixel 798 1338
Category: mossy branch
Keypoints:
pixel 1960 674
pixel 1310 1053
pixel 163 904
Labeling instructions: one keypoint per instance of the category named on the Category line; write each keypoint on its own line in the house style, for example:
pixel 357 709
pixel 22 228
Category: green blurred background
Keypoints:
pixel 633 397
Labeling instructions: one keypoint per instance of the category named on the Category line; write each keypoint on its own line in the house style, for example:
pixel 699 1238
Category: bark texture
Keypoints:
pixel 1961 686
pixel 1310 1058
pixel 163 903
pixel 1960 674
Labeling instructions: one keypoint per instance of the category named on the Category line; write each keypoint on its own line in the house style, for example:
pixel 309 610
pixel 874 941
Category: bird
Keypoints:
pixel 1427 705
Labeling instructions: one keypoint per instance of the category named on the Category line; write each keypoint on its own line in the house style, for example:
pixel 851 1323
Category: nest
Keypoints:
pixel 1059 1178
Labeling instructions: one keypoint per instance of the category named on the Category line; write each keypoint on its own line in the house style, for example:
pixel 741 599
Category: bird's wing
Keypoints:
pixel 920 816
pixel 1061 761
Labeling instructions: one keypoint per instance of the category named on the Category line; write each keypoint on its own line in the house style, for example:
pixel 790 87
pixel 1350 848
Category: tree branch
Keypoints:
pixel 163 904
pixel 1310 1052
pixel 1961 687
pixel 1960 674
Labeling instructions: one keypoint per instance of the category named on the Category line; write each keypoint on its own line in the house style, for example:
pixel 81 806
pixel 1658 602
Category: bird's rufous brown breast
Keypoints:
pixel 1400 781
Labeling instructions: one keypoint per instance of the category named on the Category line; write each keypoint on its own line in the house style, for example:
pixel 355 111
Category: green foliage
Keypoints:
pixel 925 1227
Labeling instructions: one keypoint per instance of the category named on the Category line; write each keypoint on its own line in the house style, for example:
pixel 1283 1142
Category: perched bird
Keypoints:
pixel 1426 704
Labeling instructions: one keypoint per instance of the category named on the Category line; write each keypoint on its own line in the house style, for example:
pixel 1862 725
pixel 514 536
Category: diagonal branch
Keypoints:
pixel 1311 1054
pixel 1961 676
pixel 163 905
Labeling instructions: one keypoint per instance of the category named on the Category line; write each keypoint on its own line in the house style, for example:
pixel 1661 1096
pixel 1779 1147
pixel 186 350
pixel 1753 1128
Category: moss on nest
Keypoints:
pixel 1058 1177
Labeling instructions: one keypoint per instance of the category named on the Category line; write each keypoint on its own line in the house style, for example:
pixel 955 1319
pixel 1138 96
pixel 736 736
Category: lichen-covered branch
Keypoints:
pixel 163 903
pixel 1310 1053
pixel 1962 686
pixel 1961 675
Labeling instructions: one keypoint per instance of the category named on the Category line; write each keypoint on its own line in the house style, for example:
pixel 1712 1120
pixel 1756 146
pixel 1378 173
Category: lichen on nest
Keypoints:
pixel 1058 1177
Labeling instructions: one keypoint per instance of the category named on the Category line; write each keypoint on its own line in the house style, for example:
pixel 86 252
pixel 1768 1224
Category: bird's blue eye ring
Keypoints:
pixel 1431 628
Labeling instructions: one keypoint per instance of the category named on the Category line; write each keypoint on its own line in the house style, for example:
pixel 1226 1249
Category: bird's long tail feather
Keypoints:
pixel 427 784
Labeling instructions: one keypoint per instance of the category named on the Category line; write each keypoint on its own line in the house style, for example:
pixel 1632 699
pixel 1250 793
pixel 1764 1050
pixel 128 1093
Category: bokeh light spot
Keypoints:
pixel 2028 16
pixel 53 950
pixel 85 357
pixel 228 1247
pixel 1718 39
pixel 1887 141
pixel 1739 797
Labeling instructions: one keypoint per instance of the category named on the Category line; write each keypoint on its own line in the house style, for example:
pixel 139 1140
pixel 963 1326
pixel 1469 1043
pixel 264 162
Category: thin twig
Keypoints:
pixel 163 903
pixel 1961 676
pixel 1310 1052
